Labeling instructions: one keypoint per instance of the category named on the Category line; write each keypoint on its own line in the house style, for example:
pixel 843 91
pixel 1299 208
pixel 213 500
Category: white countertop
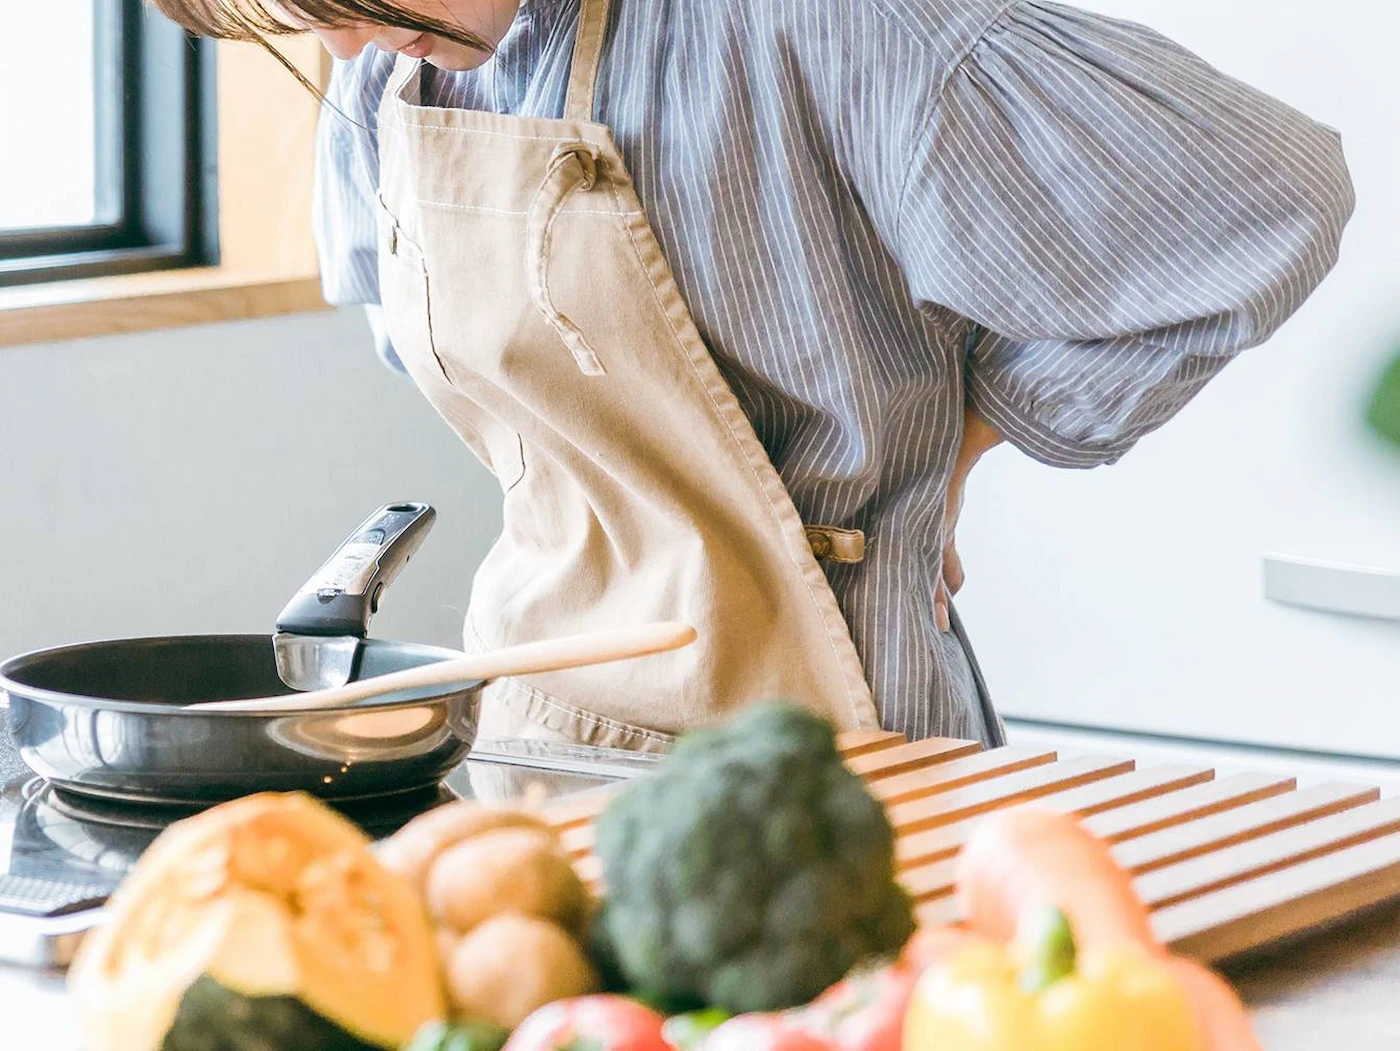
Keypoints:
pixel 1338 991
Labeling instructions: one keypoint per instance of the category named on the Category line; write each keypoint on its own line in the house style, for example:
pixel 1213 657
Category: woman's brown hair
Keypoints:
pixel 252 21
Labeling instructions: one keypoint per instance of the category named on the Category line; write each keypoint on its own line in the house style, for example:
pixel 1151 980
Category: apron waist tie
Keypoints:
pixel 574 166
pixel 831 544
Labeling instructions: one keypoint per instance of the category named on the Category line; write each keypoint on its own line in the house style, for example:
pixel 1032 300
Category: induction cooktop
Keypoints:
pixel 62 854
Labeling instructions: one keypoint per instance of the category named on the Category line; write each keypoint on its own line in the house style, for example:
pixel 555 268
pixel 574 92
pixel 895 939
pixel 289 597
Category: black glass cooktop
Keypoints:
pixel 68 852
pixel 62 854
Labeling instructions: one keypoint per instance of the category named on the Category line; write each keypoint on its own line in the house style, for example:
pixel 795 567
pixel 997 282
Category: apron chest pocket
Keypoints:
pixel 406 293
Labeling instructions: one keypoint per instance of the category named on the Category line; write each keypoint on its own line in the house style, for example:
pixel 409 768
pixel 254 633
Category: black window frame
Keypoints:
pixel 156 143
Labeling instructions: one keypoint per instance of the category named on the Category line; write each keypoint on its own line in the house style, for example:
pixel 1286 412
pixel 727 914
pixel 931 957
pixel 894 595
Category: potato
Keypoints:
pixel 446 939
pixel 511 965
pixel 518 870
pixel 411 850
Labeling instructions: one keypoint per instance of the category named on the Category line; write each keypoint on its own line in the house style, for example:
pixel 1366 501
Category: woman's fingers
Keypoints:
pixel 951 580
pixel 952 569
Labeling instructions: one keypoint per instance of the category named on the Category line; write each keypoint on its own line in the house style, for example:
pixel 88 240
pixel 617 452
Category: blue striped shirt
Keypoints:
pixel 880 210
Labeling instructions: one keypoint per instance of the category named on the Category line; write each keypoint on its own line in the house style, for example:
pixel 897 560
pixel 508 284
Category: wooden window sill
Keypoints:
pixel 268 260
pixel 144 302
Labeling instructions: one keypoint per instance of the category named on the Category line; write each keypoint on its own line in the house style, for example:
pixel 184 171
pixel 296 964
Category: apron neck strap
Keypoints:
pixel 405 69
pixel 588 57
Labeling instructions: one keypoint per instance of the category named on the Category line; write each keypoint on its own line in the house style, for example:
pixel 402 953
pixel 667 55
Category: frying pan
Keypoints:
pixel 114 720
pixel 108 719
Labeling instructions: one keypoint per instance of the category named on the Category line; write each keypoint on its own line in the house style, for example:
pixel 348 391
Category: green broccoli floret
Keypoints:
pixel 752 871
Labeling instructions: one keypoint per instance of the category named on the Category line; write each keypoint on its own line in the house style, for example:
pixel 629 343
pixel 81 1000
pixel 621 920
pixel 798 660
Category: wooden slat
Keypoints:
pixel 940 878
pixel 1279 850
pixel 1186 805
pixel 941 770
pixel 937 912
pixel 855 743
pixel 1292 900
pixel 936 844
pixel 877 752
pixel 1171 845
pixel 961 803
pixel 930 881
pixel 942 777
pixel 871 753
pixel 1130 788
pixel 888 762
pixel 928 862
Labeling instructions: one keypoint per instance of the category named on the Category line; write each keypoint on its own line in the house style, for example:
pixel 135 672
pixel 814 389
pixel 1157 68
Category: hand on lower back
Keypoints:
pixel 978 437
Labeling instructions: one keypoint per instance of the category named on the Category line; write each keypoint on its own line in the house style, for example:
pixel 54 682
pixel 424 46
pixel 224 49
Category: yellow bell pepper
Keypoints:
pixel 1038 995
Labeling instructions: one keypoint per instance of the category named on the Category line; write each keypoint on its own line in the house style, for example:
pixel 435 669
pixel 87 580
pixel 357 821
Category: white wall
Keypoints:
pixel 1131 597
pixel 190 481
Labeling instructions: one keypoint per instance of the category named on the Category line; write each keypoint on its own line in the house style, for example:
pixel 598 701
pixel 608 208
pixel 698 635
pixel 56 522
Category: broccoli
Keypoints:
pixel 751 872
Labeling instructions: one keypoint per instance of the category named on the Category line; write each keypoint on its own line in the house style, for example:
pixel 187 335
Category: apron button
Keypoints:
pixel 820 542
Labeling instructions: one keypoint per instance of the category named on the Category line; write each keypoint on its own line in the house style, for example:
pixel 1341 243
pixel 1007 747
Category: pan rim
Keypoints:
pixel 13 687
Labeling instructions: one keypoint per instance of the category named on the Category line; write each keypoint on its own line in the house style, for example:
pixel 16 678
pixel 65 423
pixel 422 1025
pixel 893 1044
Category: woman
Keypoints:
pixel 731 295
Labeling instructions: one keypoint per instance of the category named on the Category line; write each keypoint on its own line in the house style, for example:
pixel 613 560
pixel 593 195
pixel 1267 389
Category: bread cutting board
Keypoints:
pixel 1225 864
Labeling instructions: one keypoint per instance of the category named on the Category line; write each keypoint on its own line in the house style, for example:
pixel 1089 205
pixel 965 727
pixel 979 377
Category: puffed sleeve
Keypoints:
pixel 347 179
pixel 1116 218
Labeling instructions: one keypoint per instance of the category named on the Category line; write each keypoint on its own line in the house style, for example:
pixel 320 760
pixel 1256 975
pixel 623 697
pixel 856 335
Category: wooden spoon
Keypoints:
pixel 571 651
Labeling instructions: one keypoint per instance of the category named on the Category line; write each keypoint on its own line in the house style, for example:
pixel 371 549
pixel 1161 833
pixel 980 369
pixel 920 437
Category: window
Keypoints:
pixel 266 122
pixel 106 116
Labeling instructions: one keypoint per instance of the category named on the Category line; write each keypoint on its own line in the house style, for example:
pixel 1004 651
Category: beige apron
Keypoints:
pixel 529 300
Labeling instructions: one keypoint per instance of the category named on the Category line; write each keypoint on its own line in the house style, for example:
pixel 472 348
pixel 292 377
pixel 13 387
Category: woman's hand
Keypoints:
pixel 978 437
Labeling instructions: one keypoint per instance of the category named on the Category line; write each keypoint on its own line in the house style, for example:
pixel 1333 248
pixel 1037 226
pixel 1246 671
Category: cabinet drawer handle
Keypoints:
pixel 1355 591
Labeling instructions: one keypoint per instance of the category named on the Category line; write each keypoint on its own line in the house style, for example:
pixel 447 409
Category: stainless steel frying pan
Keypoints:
pixel 108 719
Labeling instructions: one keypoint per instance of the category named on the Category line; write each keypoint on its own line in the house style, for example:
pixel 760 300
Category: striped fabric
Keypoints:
pixel 881 209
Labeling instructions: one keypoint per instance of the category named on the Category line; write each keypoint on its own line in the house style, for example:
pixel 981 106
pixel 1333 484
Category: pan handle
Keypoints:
pixel 342 596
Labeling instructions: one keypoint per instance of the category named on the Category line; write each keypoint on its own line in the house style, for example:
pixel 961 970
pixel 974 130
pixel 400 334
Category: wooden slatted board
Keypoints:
pixel 1226 865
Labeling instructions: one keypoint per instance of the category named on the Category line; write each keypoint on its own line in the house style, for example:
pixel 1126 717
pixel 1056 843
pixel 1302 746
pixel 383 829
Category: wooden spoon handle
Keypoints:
pixel 530 658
